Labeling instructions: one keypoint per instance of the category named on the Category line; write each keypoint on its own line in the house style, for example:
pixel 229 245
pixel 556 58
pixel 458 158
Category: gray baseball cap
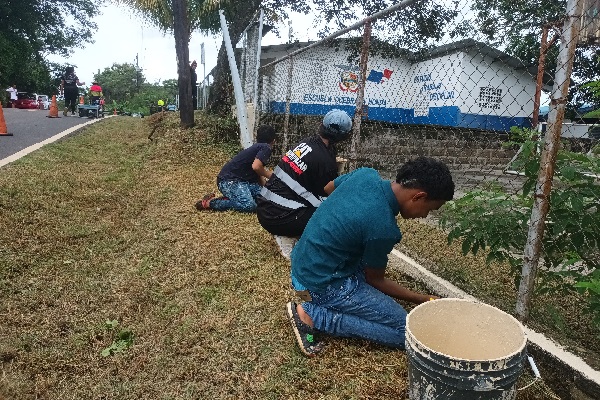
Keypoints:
pixel 337 121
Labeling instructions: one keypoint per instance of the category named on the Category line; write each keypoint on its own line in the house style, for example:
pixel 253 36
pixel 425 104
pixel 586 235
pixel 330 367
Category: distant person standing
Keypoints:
pixel 68 87
pixel 194 81
pixel 12 95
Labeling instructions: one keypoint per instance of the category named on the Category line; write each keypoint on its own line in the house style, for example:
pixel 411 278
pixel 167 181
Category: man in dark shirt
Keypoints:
pixel 194 81
pixel 68 87
pixel 297 187
pixel 241 179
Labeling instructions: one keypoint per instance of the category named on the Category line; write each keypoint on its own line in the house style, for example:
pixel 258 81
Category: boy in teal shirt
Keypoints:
pixel 339 263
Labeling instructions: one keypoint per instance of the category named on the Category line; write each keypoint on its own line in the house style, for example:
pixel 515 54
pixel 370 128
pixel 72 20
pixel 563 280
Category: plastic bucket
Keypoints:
pixel 460 349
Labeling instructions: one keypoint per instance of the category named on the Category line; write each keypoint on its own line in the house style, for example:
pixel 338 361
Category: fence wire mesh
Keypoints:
pixel 464 90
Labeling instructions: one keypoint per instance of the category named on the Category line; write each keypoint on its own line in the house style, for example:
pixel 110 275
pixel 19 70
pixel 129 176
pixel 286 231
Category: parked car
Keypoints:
pixel 29 100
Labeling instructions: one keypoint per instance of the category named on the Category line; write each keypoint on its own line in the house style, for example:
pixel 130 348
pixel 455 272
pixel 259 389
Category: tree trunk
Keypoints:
pixel 181 31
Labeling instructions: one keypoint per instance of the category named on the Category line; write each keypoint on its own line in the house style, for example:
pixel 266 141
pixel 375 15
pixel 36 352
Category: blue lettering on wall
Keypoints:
pixel 422 78
pixel 441 96
pixel 309 97
pixel 345 100
pixel 377 102
pixel 430 86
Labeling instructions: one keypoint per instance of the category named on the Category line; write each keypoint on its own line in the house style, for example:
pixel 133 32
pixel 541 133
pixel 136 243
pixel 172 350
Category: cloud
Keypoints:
pixel 122 35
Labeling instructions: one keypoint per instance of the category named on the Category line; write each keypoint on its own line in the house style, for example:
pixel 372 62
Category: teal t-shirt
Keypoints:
pixel 355 227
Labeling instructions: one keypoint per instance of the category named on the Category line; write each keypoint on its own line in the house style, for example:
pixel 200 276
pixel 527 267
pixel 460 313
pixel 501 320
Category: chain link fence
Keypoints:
pixel 527 178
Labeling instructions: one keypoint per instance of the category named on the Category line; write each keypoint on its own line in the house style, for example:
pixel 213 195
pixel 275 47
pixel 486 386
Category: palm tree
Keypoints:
pixel 180 17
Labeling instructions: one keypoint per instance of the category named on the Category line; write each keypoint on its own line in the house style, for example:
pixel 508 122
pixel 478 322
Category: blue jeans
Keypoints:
pixel 355 309
pixel 238 196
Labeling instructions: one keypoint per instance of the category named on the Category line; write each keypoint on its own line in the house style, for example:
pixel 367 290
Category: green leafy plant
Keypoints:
pixel 123 339
pixel 495 220
pixel 518 135
pixel 591 286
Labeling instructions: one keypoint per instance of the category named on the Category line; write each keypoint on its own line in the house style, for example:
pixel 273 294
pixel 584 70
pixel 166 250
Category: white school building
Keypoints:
pixel 462 84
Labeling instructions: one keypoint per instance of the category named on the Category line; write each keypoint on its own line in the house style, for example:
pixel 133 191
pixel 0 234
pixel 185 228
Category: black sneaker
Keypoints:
pixel 305 335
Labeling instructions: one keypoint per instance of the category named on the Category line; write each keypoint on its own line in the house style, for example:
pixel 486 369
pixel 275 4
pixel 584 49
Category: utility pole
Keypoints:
pixel 203 61
pixel 137 74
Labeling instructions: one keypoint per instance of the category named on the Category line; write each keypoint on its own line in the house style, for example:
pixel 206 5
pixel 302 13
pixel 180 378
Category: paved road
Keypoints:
pixel 30 127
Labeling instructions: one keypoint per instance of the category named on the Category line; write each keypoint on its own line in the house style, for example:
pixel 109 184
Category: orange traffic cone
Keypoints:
pixel 3 131
pixel 53 110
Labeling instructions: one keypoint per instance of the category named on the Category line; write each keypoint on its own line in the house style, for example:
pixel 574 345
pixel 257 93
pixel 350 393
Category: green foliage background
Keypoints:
pixel 32 29
pixel 497 221
pixel 126 89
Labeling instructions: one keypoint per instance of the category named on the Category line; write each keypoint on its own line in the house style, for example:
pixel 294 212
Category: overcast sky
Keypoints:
pixel 122 35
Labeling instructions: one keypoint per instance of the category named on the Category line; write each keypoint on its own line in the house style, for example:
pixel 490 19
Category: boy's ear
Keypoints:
pixel 420 196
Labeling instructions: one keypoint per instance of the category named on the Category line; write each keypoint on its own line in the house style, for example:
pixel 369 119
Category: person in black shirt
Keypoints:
pixel 68 86
pixel 194 80
pixel 297 186
pixel 241 179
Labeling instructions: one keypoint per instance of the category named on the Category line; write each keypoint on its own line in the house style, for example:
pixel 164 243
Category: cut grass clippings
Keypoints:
pixel 99 236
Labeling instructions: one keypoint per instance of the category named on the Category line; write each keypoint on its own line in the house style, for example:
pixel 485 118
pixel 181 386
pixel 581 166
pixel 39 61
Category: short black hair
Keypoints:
pixel 70 70
pixel 265 134
pixel 430 175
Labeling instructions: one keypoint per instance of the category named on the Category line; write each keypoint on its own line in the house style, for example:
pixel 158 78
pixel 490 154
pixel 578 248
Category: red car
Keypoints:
pixel 26 100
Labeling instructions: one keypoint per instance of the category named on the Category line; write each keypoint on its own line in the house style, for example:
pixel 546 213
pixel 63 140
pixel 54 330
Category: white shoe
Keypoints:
pixel 286 244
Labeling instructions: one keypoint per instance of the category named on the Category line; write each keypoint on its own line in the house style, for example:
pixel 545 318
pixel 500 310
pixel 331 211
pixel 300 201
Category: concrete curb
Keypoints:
pixel 579 380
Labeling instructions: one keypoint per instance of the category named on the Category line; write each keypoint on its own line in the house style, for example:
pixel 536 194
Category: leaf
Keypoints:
pixel 532 169
pixel 528 187
pixel 577 204
pixel 578 239
pixel 466 246
pixel 568 172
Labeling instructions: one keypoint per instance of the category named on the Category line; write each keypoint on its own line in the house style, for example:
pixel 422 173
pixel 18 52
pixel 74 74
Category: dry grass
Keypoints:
pixel 101 226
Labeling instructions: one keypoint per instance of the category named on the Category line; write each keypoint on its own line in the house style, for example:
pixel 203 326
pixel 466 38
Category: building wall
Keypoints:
pixel 495 96
pixel 459 89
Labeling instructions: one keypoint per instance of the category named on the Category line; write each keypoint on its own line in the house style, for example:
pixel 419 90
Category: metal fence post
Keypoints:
pixel 535 234
pixel 288 99
pixel 245 136
pixel 545 45
pixel 360 95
